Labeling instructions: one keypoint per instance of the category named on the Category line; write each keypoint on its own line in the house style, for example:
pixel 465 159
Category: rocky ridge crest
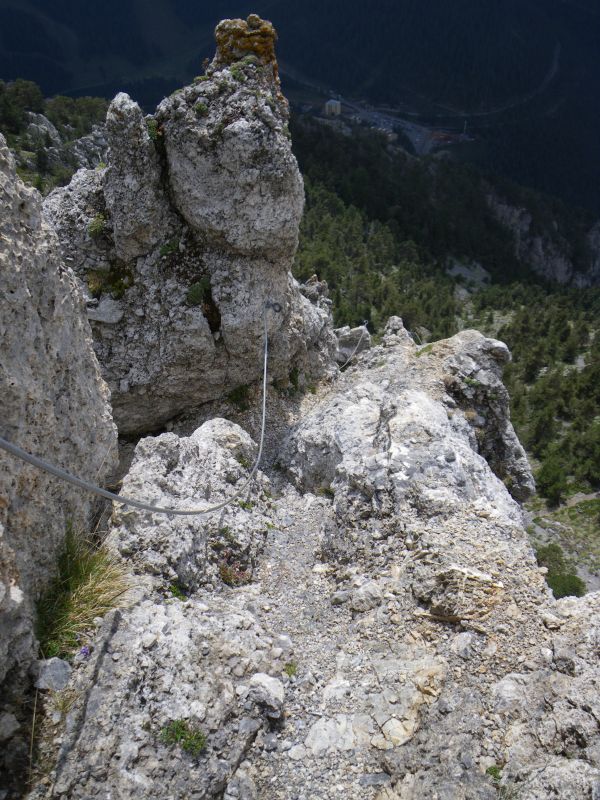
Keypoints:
pixel 369 621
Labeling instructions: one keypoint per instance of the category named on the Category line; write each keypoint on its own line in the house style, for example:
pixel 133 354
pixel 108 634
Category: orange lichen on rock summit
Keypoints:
pixel 237 39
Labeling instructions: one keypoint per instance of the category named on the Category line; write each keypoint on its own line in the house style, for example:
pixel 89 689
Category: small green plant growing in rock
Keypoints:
pixel 249 60
pixel 177 591
pixel 201 109
pixel 233 575
pixel 291 669
pixel 247 505
pixel 116 280
pixel 170 247
pixel 97 226
pixel 472 382
pixel 189 737
pixel 63 702
pixel 152 128
pixel 201 78
pixel 243 461
pixel 198 293
pixel 495 773
pixel 237 73
pixel 100 166
pixel 326 491
pixel 227 534
pixel 294 378
pixel 424 350
pixel 218 130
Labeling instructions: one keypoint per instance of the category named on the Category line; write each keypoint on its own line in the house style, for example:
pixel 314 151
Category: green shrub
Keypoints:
pixel 189 737
pixel 562 582
pixel 551 480
pixel 201 109
pixel 566 585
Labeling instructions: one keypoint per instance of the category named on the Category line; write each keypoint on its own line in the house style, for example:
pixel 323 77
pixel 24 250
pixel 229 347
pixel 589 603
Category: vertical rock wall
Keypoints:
pixel 54 404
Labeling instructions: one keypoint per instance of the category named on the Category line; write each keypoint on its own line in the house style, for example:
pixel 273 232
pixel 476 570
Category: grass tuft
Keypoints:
pixel 89 584
pixel 190 738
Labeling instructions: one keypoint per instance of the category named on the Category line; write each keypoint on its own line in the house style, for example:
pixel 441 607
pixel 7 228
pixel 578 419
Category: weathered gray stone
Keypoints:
pixel 54 403
pixel 53 673
pixel 116 737
pixel 268 693
pixel 135 198
pixel 9 725
pixel 198 471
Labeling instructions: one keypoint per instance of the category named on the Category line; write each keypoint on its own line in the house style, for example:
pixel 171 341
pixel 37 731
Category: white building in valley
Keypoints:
pixel 333 108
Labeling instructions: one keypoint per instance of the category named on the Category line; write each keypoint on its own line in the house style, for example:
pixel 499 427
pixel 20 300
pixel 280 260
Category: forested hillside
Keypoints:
pixel 383 229
pixel 525 74
pixel 71 117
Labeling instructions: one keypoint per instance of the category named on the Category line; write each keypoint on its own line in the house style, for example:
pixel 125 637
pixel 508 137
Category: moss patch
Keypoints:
pixel 237 39
pixel 114 281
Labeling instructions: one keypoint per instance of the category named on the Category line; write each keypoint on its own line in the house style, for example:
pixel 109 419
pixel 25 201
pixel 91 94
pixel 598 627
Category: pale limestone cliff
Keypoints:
pixel 54 403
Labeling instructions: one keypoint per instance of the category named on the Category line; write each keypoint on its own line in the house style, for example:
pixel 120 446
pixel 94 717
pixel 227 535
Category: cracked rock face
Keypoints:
pixel 54 404
pixel 217 654
pixel 548 256
pixel 203 662
pixel 184 238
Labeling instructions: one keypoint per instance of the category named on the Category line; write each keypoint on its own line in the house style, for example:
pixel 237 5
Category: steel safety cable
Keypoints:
pixel 42 464
pixel 362 336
